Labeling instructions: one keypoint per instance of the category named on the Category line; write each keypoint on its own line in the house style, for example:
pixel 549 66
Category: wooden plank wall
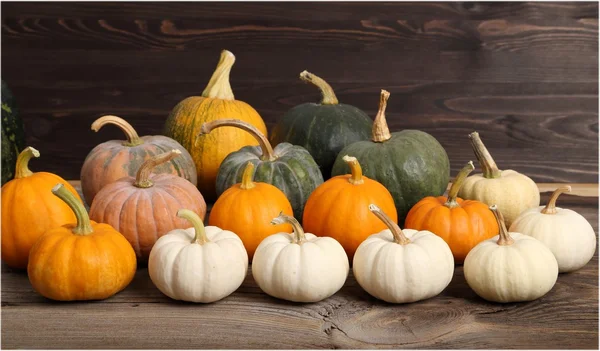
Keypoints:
pixel 525 75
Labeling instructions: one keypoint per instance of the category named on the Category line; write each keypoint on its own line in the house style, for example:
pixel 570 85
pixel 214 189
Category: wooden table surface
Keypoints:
pixel 142 317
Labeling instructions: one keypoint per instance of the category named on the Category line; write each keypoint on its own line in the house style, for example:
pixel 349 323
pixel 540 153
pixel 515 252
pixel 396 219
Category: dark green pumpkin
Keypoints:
pixel 324 128
pixel 13 134
pixel 288 167
pixel 411 164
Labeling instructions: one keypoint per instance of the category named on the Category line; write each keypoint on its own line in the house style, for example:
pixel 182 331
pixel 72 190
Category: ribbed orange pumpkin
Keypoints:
pixel 247 209
pixel 339 208
pixel 461 223
pixel 115 159
pixel 217 102
pixel 80 261
pixel 29 209
pixel 145 208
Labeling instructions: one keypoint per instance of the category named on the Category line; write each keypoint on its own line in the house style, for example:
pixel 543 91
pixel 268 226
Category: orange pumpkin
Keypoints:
pixel 247 209
pixel 29 209
pixel 339 208
pixel 145 208
pixel 80 261
pixel 461 223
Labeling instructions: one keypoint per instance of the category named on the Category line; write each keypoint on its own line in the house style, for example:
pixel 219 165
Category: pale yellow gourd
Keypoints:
pixel 510 267
pixel 512 191
pixel 565 232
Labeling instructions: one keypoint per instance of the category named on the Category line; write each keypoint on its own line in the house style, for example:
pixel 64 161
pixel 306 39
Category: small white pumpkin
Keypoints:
pixel 401 266
pixel 199 264
pixel 511 191
pixel 565 232
pixel 299 267
pixel 510 267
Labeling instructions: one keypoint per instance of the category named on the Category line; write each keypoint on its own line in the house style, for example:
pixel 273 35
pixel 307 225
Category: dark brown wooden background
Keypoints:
pixel 525 75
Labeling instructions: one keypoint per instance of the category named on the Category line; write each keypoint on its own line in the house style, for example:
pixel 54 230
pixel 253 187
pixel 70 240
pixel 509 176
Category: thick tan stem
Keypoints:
pixel 329 97
pixel 399 237
pixel 380 131
pixel 298 235
pixel 504 237
pixel 551 206
pixel 133 138
pixel 487 163
pixel 84 226
pixel 267 150
pixel 457 184
pixel 247 182
pixel 22 165
pixel 142 178
pixel 218 87
pixel 200 236
pixel 357 176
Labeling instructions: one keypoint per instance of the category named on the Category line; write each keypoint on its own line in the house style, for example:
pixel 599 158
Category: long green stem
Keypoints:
pixel 200 236
pixel 133 138
pixel 504 237
pixel 219 87
pixel 457 184
pixel 22 165
pixel 380 131
pixel 142 178
pixel 487 163
pixel 298 235
pixel 551 206
pixel 267 150
pixel 327 92
pixel 84 226
pixel 399 237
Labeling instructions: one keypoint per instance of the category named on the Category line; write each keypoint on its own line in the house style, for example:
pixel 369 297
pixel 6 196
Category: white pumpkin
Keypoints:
pixel 401 266
pixel 565 232
pixel 299 267
pixel 199 264
pixel 510 267
pixel 511 191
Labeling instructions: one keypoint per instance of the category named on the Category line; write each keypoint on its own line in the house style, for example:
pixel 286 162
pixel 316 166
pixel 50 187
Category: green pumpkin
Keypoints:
pixel 411 164
pixel 324 128
pixel 288 167
pixel 13 134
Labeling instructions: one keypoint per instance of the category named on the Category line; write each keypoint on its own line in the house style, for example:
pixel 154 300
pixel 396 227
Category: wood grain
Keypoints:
pixel 525 75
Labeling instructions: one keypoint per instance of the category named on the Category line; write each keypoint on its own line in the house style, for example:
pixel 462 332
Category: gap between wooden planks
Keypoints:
pixel 577 189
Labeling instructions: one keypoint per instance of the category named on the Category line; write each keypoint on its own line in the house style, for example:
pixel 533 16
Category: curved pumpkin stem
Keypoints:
pixel 22 165
pixel 357 176
pixel 142 178
pixel 247 182
pixel 399 237
pixel 505 238
pixel 329 97
pixel 487 163
pixel 457 184
pixel 298 235
pixel 381 132
pixel 133 138
pixel 551 206
pixel 84 226
pixel 219 87
pixel 200 236
pixel 267 150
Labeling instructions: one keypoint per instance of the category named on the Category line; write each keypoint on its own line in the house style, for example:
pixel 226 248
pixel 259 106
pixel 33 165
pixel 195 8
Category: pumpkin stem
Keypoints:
pixel 218 87
pixel 84 226
pixel 142 178
pixel 505 238
pixel 381 132
pixel 22 165
pixel 132 136
pixel 357 176
pixel 487 163
pixel 247 182
pixel 399 237
pixel 298 234
pixel 551 206
pixel 267 150
pixel 457 184
pixel 192 217
pixel 329 97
